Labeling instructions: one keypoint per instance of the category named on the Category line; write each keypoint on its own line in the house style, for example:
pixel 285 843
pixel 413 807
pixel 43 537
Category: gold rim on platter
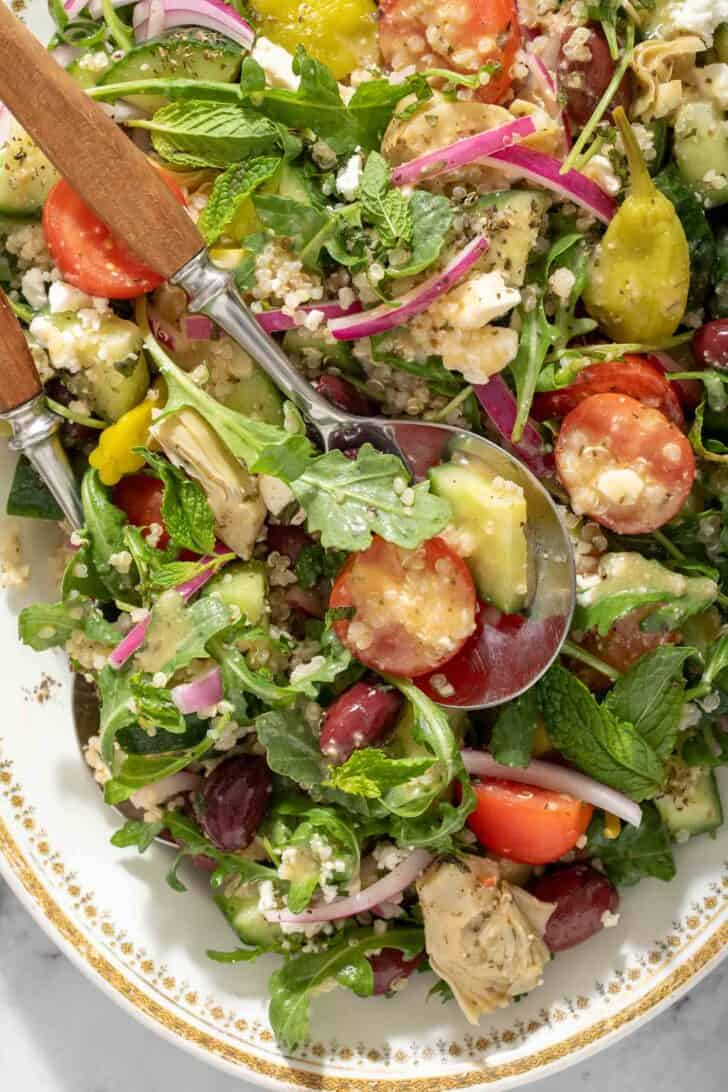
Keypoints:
pixel 87 953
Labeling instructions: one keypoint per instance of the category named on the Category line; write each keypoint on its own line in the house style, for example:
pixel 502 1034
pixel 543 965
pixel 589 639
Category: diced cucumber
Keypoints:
pixel 300 340
pixel 26 176
pixel 88 69
pixel 720 42
pixel 514 217
pixel 29 496
pixel 112 372
pixel 692 806
pixel 701 151
pixel 243 585
pixel 198 55
pixel 494 512
pixel 242 911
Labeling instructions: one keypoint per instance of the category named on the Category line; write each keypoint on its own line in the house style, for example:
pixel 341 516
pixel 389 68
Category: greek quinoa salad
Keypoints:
pixel 507 218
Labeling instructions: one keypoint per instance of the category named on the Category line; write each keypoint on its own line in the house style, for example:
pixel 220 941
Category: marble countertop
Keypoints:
pixel 60 1034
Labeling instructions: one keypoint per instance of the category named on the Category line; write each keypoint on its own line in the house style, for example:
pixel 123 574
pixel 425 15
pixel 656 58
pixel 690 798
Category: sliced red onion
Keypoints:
pixel 151 17
pixel 384 890
pixel 197 327
pixel 273 322
pixel 135 637
pixel 499 403
pixel 121 111
pixel 547 775
pixel 201 693
pixel 149 796
pixel 65 54
pixel 73 8
pixel 414 302
pixel 462 152
pixel 168 335
pixel 545 169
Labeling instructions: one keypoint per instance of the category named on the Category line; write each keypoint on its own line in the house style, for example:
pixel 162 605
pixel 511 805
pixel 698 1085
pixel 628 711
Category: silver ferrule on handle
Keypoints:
pixel 211 292
pixel 35 434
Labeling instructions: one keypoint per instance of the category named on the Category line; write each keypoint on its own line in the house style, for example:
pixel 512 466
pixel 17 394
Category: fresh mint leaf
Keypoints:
pixel 651 696
pixel 231 189
pixel 314 564
pixel 514 731
pixel 244 275
pixel 591 736
pixel 316 105
pixel 637 851
pixel 186 514
pixel 431 217
pixel 349 500
pixel 210 134
pixel 344 961
pixel 117 708
pixel 382 205
pixel 104 525
pixel 372 773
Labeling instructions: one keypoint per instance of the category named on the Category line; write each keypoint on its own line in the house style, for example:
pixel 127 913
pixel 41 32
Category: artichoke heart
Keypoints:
pixel 483 935
pixel 232 493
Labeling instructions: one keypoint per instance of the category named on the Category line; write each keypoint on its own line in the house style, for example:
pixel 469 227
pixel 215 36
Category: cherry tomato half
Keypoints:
pixel 140 497
pixel 636 376
pixel 414 609
pixel 86 252
pixel 624 464
pixel 462 35
pixel 525 823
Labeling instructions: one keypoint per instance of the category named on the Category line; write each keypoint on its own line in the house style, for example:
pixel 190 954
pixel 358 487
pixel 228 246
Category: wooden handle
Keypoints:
pixel 100 162
pixel 19 381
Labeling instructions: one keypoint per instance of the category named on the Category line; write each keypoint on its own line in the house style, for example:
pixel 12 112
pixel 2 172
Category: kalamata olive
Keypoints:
pixel 359 717
pixel 343 395
pixel 233 800
pixel 390 967
pixel 309 601
pixel 582 896
pixel 710 345
pixel 584 80
pixel 288 540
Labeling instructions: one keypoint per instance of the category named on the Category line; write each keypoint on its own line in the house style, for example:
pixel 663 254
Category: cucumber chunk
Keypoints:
pixel 242 584
pixel 514 218
pixel 701 151
pixel 493 510
pixel 242 911
pixel 29 496
pixel 26 176
pixel 693 805
pixel 201 55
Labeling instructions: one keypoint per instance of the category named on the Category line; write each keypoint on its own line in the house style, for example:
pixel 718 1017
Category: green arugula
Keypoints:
pixel 513 732
pixel 307 226
pixel 199 623
pixel 698 233
pixel 292 748
pixel 136 741
pixel 117 708
pixel 50 625
pixel 186 514
pixel 314 564
pixel 136 771
pixel 231 189
pixel 591 736
pixel 344 961
pixel 708 448
pixel 155 707
pixel 372 773
pixel 637 851
pixel 651 696
pixel 104 526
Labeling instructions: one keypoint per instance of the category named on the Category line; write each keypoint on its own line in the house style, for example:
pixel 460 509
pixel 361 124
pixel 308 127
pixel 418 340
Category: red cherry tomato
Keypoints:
pixel 525 823
pixel 140 497
pixel 624 464
pixel 622 646
pixel 636 376
pixel 462 36
pixel 86 252
pixel 414 609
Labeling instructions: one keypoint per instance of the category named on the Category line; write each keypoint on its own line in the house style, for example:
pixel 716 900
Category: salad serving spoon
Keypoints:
pixel 114 177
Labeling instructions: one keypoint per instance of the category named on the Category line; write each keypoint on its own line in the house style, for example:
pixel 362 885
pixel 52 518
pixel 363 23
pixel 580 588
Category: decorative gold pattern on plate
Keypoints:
pixel 473 1048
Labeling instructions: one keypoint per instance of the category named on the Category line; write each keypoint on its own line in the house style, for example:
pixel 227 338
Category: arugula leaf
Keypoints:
pixel 651 696
pixel 80 577
pixel 238 677
pixel 238 955
pixel 136 771
pixel 292 986
pixel 698 233
pixel 374 102
pixel 712 450
pixel 29 496
pixel 136 832
pixel 431 369
pixel 637 851
pixel 198 623
pixel 514 731
pixel 50 625
pixel 349 500
pixel 717 660
pixel 186 514
pixel 231 189
pixel 292 747
pixel 105 524
pixel 210 134
pixel 431 217
pixel 384 206
pixel 591 736
pixel 335 833
pixel 372 773
pixel 117 708
pixel 314 564
pixel 155 708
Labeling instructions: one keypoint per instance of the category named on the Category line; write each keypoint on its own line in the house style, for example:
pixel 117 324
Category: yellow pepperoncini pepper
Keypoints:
pixel 115 456
pixel 612 825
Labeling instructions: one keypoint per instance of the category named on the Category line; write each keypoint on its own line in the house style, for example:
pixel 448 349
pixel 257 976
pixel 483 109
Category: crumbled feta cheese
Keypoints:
pixel 576 48
pixel 387 856
pixel 476 302
pixel 121 561
pixel 33 287
pixel 64 297
pixel 277 63
pixel 349 177
pixel 303 671
pixel 13 571
pixel 700 17
pixel 609 920
pixel 601 171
